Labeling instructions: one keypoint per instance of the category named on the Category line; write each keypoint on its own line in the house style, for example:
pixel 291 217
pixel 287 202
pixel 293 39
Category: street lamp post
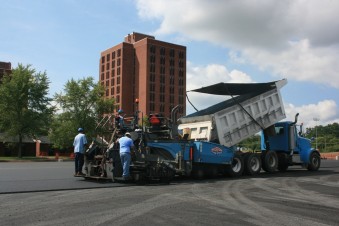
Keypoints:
pixel 316 132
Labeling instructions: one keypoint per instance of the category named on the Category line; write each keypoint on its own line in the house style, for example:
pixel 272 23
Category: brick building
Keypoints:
pixel 5 67
pixel 143 68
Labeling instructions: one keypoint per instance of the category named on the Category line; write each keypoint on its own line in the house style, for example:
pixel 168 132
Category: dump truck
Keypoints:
pixel 208 143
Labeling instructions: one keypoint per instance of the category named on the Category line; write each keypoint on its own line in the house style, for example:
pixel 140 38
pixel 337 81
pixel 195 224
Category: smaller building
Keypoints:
pixel 5 68
pixel 30 146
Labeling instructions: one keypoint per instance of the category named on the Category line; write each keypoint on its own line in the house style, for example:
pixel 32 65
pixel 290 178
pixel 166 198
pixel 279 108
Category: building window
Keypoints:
pixel 152 77
pixel 107 92
pixel 113 73
pixel 181 55
pixel 162 108
pixel 102 59
pixel 172 62
pixel 171 71
pixel 172 53
pixel 181 91
pixel 171 80
pixel 119 62
pixel 181 73
pixel 152 49
pixel 117 98
pixel 118 80
pixel 151 107
pixel 107 66
pixel 118 89
pixel 162 51
pixel 119 52
pixel 152 87
pixel 112 91
pixel 152 96
pixel 108 56
pixel 112 82
pixel 113 64
pixel 107 83
pixel 152 68
pixel 162 98
pixel 102 76
pixel 162 60
pixel 102 68
pixel 113 55
pixel 162 70
pixel 118 71
pixel 162 79
pixel 107 75
pixel 181 82
pixel 171 98
pixel 152 58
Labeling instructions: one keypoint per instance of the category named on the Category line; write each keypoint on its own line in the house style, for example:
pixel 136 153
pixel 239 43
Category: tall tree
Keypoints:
pixel 25 108
pixel 82 105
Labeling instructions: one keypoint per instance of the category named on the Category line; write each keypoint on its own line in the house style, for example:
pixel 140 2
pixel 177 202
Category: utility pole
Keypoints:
pixel 316 132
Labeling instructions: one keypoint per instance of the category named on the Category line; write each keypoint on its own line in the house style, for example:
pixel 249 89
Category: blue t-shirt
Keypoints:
pixel 79 143
pixel 125 144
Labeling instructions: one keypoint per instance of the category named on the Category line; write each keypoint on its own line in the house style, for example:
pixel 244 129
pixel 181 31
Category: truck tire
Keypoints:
pixel 252 164
pixel 282 162
pixel 237 167
pixel 314 162
pixel 269 161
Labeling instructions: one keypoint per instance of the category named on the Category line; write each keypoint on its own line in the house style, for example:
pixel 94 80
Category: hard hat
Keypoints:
pixel 120 111
pixel 80 130
pixel 127 134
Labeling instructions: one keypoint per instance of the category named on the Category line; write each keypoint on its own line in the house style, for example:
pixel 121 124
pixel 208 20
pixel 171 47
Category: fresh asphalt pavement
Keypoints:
pixel 46 193
pixel 16 177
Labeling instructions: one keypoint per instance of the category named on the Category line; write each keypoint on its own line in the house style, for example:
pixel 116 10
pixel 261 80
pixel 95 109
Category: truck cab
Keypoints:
pixel 290 147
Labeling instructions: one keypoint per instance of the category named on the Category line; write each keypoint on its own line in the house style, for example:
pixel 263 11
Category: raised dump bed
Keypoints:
pixel 252 107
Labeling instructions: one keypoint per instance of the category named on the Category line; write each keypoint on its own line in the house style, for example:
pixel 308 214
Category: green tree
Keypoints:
pixel 25 108
pixel 81 105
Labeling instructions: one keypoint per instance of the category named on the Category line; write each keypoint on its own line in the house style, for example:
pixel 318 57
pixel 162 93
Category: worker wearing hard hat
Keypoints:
pixel 119 119
pixel 126 144
pixel 79 144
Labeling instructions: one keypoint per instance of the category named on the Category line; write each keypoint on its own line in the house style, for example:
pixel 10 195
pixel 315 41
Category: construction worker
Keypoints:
pixel 79 144
pixel 126 143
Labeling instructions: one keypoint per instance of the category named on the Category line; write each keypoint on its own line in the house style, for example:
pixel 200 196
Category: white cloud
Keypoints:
pixel 325 111
pixel 198 76
pixel 296 39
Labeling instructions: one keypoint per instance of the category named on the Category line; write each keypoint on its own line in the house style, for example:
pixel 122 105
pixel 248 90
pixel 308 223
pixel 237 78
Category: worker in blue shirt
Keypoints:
pixel 126 143
pixel 80 143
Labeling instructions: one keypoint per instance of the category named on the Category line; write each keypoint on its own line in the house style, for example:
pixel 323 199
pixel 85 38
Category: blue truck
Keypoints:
pixel 207 144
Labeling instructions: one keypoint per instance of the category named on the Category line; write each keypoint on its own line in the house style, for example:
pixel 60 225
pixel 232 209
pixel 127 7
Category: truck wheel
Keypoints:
pixel 282 162
pixel 237 167
pixel 252 164
pixel 314 162
pixel 269 161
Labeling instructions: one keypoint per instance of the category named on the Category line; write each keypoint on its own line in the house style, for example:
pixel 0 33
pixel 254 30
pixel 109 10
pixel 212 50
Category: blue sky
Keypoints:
pixel 227 41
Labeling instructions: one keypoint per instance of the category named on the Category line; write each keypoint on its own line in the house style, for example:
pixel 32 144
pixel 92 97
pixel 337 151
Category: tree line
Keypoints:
pixel 26 110
pixel 324 138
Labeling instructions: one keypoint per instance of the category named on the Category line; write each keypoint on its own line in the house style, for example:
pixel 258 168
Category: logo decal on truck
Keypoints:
pixel 216 150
